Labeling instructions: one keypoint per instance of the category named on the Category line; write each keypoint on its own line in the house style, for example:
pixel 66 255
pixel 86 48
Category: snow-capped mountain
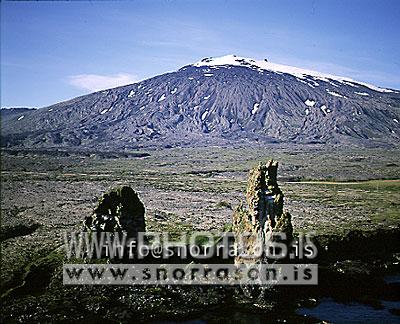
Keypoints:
pixel 215 101
pixel 265 65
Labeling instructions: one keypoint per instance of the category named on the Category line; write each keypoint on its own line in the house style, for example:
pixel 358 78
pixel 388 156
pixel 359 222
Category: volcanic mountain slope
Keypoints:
pixel 216 101
pixel 6 112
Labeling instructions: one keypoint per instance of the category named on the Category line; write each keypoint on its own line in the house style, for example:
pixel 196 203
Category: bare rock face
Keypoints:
pixel 119 210
pixel 264 215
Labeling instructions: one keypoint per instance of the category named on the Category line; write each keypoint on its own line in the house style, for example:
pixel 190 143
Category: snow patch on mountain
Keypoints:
pixel 335 94
pixel 334 84
pixel 362 93
pixel 309 103
pixel 255 108
pixel 324 109
pixel 349 84
pixel 309 84
pixel 316 84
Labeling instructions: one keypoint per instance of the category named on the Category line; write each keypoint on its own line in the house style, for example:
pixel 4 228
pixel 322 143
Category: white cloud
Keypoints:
pixel 95 82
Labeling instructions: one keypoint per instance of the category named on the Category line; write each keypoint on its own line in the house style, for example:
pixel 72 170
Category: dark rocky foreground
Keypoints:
pixel 37 293
pixel 215 304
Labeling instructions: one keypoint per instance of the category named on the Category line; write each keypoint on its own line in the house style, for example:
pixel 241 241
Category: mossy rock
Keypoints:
pixel 119 210
pixel 264 213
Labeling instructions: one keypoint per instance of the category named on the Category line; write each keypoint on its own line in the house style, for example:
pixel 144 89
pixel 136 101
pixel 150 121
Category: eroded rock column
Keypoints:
pixel 264 213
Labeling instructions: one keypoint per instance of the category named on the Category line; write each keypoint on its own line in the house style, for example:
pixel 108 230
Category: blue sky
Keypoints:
pixel 53 51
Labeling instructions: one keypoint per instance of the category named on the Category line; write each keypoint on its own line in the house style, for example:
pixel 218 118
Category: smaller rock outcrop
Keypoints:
pixel 264 215
pixel 119 210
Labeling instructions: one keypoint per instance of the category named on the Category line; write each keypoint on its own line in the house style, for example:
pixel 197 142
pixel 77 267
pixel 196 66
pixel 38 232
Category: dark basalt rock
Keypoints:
pixel 119 210
pixel 8 232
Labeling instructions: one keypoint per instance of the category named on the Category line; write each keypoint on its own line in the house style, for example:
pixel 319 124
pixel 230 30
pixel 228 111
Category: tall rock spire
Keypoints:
pixel 264 214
